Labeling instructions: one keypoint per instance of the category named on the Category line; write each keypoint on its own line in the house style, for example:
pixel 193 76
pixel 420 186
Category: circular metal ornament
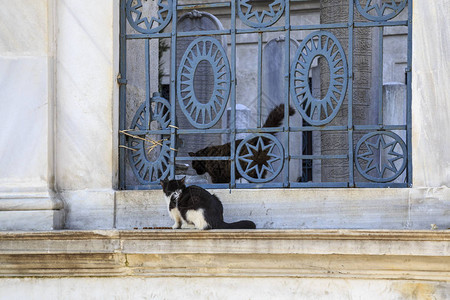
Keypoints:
pixel 377 156
pixel 149 156
pixel 319 44
pixel 369 8
pixel 258 155
pixel 203 49
pixel 135 10
pixel 253 18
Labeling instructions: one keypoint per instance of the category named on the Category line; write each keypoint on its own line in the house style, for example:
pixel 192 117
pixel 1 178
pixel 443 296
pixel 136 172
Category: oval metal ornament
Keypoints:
pixel 377 156
pixel 392 6
pixel 259 155
pixel 149 157
pixel 314 110
pixel 135 15
pixel 254 18
pixel 203 49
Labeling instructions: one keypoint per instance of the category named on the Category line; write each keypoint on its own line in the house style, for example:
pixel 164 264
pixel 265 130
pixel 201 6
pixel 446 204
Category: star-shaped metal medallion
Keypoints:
pixel 139 15
pixel 380 156
pixel 381 151
pixel 378 12
pixel 260 158
pixel 255 18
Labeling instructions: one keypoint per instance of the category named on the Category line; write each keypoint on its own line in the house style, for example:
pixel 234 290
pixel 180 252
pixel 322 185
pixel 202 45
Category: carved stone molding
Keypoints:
pixel 31 210
pixel 362 254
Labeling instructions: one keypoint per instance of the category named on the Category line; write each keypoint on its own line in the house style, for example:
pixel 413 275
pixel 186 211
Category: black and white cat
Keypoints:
pixel 194 206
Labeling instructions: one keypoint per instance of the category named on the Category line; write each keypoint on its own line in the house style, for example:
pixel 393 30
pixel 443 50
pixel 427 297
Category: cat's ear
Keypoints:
pixel 191 154
pixel 182 180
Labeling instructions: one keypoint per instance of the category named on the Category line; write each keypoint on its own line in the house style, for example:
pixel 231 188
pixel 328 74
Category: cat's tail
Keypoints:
pixel 245 224
pixel 276 116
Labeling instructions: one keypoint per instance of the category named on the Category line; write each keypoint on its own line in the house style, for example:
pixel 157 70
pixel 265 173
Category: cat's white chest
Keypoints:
pixel 174 212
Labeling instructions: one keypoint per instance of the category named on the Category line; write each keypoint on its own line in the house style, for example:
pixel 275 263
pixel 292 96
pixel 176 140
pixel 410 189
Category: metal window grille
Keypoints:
pixel 377 152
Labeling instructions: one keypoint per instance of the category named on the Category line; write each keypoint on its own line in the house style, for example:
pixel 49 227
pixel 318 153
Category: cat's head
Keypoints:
pixel 170 186
pixel 198 165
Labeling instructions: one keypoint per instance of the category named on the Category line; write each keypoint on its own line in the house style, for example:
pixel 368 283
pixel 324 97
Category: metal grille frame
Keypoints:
pixel 257 26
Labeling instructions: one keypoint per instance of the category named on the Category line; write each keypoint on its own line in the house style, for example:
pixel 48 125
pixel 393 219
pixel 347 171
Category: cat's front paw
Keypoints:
pixel 187 226
pixel 176 226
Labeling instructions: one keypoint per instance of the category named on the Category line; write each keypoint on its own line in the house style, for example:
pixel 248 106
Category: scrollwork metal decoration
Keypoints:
pixel 325 45
pixel 259 155
pixel 381 156
pixel 203 49
pixel 149 155
pixel 135 10
pixel 374 12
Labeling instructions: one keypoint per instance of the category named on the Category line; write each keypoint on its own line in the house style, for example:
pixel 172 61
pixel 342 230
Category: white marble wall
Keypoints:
pixel 26 116
pixel 220 288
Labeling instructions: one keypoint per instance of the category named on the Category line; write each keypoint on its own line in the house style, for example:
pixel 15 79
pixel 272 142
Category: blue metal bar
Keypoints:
pixel 233 96
pixel 144 132
pixel 259 92
pixel 318 26
pixel 203 158
pixel 409 96
pixel 148 36
pixel 318 184
pixel 203 33
pixel 313 128
pixel 268 185
pixel 380 185
pixel 269 29
pixel 379 127
pixel 203 6
pixel 260 29
pixel 380 24
pixel 287 63
pixel 209 131
pixel 270 129
pixel 380 83
pixel 122 95
pixel 157 186
pixel 350 94
pixel 173 68
pixel 147 84
pixel 343 156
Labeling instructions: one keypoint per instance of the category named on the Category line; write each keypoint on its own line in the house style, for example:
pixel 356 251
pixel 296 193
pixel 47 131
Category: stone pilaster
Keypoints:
pixel 27 197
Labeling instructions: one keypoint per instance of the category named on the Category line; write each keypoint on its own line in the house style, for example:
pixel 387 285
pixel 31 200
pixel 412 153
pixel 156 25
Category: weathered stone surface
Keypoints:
pixel 419 255
pixel 305 208
pixel 93 209
pixel 130 288
pixel 430 90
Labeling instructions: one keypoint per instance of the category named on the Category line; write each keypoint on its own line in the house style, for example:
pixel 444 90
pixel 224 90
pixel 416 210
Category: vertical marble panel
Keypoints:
pixel 85 85
pixel 24 121
pixel 24 27
pixel 430 91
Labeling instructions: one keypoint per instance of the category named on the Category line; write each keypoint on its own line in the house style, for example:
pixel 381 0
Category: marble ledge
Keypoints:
pixel 366 254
